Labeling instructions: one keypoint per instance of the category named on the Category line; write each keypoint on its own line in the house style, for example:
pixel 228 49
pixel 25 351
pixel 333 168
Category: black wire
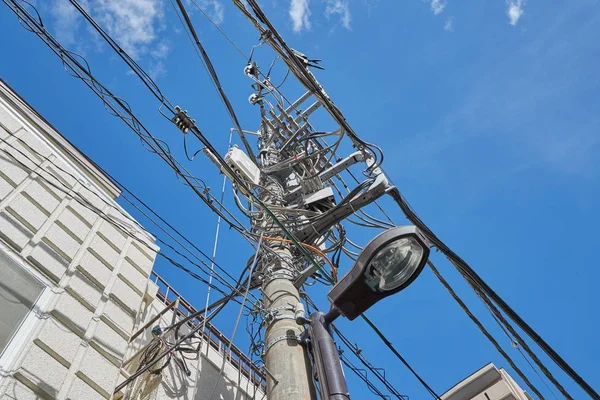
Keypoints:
pixel 376 371
pixel 139 71
pixel 186 150
pixel 500 319
pixel 86 203
pixel 483 330
pixel 157 146
pixel 374 389
pixel 213 74
pixel 356 351
pixel 476 281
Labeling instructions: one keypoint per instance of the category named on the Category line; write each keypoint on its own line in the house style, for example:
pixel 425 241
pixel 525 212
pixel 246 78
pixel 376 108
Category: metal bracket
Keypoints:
pixel 306 273
pixel 279 274
pixel 272 314
pixel 279 339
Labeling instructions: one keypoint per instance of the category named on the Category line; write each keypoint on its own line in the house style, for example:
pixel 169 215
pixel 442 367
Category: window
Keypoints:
pixel 19 292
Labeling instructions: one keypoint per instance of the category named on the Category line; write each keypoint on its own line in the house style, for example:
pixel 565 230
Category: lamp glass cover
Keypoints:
pixel 393 265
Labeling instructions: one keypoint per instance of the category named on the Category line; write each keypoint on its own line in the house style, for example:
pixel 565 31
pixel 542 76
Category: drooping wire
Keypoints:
pixel 376 371
pixel 364 377
pixel 480 286
pixel 213 74
pixel 305 76
pixel 118 107
pixel 516 345
pixel 235 327
pixel 59 185
pixel 483 330
pixel 216 241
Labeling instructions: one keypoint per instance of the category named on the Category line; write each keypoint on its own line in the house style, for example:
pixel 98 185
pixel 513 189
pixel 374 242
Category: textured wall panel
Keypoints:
pixel 27 212
pixel 112 235
pixel 98 372
pixel 95 269
pixel 85 290
pixel 48 261
pixel 133 277
pixel 8 121
pixel 55 337
pixel 38 192
pixel 140 259
pixel 13 231
pixel 82 391
pixel 72 313
pixel 87 215
pixel 116 315
pixel 104 252
pixel 109 342
pixel 42 370
pixel 71 223
pixel 5 187
pixel 11 169
pixel 61 241
pixel 127 297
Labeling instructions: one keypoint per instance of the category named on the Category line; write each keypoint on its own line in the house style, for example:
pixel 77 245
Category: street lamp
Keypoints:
pixel 388 264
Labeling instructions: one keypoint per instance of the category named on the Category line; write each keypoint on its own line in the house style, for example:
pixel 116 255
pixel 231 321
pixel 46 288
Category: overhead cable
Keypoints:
pixel 476 281
pixel 483 330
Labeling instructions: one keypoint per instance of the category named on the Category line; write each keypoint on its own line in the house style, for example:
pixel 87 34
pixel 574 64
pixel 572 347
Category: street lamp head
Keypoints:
pixel 388 264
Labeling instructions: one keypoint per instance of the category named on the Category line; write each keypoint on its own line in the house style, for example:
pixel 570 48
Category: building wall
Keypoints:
pixel 95 270
pixel 488 383
pixel 206 380
pixel 59 222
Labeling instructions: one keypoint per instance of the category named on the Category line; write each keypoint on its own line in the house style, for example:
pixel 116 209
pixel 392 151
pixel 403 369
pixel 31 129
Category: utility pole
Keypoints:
pixel 289 371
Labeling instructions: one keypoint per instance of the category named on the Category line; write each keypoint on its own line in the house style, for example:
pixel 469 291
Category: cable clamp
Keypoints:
pixel 279 274
pixel 279 339
pixel 272 314
pixel 182 120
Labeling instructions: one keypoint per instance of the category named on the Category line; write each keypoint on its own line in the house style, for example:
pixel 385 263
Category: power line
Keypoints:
pixel 500 319
pixel 84 202
pixel 477 282
pixel 305 76
pixel 53 44
pixel 213 74
pixel 376 371
pixel 78 67
pixel 483 330
pixel 518 347
pixel 308 78
pixel 357 371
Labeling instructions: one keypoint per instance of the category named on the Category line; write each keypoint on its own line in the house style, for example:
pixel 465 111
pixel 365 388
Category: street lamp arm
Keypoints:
pixel 332 381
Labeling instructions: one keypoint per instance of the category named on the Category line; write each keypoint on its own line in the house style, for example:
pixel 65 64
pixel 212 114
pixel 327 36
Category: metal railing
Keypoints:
pixel 215 338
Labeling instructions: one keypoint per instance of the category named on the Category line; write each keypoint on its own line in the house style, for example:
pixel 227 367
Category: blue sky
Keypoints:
pixel 487 111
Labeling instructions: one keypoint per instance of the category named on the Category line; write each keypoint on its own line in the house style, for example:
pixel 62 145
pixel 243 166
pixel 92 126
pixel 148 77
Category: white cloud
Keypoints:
pixel 341 8
pixel 515 11
pixel 437 6
pixel 213 8
pixel 449 25
pixel 300 14
pixel 136 25
pixel 66 21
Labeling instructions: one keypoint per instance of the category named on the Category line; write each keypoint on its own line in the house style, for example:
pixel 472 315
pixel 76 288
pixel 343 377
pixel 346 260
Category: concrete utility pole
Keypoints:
pixel 289 371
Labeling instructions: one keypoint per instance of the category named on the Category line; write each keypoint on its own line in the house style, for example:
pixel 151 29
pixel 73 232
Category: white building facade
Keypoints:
pixel 75 281
pixel 488 383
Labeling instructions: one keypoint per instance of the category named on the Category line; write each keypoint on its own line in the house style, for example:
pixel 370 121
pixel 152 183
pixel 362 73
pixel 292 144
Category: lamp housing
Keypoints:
pixel 388 264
